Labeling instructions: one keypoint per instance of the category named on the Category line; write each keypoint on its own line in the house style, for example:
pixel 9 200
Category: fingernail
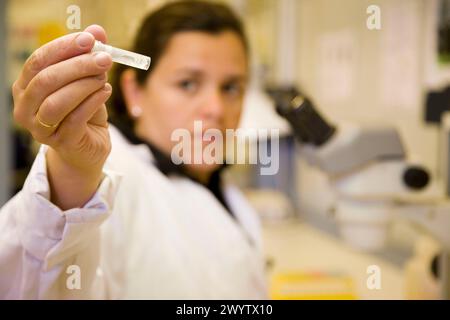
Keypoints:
pixel 84 39
pixel 107 87
pixel 102 59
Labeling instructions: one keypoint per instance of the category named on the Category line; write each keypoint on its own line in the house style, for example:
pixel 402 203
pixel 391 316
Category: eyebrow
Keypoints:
pixel 199 73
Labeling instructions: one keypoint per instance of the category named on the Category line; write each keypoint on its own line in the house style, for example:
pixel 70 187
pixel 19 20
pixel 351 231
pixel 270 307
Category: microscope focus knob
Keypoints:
pixel 416 177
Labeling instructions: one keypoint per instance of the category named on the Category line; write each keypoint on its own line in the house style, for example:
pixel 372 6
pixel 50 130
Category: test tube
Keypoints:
pixel 128 58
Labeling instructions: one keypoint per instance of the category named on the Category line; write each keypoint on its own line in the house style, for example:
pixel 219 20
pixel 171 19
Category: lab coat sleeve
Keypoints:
pixel 47 253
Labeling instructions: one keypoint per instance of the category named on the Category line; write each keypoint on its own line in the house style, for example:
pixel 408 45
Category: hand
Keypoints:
pixel 60 98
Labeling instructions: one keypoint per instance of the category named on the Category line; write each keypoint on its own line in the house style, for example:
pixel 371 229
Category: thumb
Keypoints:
pixel 98 32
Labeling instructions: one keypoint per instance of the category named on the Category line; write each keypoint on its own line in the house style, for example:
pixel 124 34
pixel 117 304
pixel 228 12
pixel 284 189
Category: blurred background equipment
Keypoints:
pixel 372 177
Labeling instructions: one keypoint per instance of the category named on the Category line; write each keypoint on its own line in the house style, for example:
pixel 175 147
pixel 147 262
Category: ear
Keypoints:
pixel 132 92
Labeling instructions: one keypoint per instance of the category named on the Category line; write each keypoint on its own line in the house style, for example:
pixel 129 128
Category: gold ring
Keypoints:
pixel 45 125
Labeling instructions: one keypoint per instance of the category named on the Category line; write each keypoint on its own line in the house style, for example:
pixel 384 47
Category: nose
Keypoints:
pixel 214 106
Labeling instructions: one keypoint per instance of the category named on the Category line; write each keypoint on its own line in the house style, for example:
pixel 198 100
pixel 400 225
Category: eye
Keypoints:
pixel 188 85
pixel 233 89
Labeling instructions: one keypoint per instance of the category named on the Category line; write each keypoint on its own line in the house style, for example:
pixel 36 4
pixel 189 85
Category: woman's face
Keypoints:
pixel 199 77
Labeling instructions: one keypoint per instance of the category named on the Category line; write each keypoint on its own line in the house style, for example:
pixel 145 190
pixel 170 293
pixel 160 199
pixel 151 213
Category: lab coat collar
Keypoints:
pixel 149 152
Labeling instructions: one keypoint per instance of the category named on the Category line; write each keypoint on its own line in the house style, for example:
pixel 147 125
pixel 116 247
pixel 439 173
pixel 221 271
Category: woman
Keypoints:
pixel 104 212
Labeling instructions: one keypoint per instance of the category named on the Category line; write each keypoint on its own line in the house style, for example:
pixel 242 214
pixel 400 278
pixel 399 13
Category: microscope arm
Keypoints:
pixel 345 150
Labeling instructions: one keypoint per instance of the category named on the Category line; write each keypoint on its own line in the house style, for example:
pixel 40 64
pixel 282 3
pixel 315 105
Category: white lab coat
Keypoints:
pixel 142 235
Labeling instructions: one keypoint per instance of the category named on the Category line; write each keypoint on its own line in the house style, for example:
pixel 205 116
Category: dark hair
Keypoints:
pixel 154 35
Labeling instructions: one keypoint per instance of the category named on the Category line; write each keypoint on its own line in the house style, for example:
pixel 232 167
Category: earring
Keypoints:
pixel 136 111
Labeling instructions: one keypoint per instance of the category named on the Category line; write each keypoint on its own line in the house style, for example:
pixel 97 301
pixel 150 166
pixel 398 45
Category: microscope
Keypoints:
pixel 372 177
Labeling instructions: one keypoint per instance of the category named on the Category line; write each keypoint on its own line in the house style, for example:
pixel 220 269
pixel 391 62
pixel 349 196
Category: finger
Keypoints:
pixel 98 32
pixel 60 103
pixel 55 51
pixel 75 123
pixel 100 118
pixel 61 74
